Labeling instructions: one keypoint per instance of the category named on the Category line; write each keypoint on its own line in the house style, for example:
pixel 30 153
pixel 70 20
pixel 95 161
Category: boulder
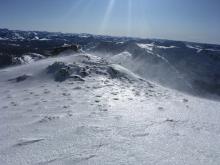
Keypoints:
pixel 56 67
pixel 63 71
pixel 62 75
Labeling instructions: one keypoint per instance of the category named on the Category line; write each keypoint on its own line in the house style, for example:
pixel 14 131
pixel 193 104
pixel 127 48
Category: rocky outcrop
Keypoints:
pixel 88 65
pixel 58 50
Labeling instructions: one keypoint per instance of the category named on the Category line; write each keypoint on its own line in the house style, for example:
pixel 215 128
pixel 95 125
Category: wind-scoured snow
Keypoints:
pixel 104 120
pixel 121 57
pixel 146 46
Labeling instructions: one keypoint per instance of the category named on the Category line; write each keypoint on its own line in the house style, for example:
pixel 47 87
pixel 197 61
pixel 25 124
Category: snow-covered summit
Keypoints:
pixel 102 113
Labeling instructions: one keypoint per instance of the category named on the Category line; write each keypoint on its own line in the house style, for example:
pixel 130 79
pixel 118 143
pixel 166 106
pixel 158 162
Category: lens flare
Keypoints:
pixel 75 5
pixel 107 16
pixel 129 18
pixel 83 5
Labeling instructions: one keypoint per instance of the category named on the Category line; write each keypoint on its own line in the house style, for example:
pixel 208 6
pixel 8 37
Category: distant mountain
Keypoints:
pixel 192 67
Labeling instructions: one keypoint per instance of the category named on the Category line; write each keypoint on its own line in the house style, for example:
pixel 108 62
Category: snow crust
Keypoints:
pixel 102 120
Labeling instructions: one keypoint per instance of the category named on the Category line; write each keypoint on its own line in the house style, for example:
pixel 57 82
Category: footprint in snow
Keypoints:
pixel 185 100
pixel 26 98
pixel 46 91
pixel 77 88
pixel 103 109
pixel 66 106
pixel 160 108
pixel 9 97
pixel 14 103
pixel 137 93
pixel 69 113
pixel 118 117
pixel 66 94
pixel 30 110
pixel 48 118
pixel 4 107
pixel 36 103
pixel 98 96
pixel 114 93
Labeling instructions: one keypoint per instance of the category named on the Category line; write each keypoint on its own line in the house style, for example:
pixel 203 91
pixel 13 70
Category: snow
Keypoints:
pixel 84 35
pixel 194 47
pixel 102 120
pixel 122 57
pixel 3 38
pixel 214 50
pixel 146 46
pixel 29 58
pixel 35 38
pixel 125 72
pixel 150 47
pixel 166 47
pixel 44 39
pixel 18 36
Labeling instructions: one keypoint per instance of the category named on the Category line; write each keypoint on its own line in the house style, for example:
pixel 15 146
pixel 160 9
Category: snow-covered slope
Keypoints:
pixel 111 117
pixel 186 66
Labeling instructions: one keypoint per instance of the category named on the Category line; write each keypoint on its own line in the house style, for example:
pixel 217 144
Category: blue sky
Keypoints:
pixel 190 20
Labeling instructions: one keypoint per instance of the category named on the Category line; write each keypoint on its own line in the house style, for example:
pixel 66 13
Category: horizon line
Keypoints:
pixel 116 36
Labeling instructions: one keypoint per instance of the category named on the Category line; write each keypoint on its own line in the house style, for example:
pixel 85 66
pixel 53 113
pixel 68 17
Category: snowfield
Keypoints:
pixel 112 117
pixel 146 46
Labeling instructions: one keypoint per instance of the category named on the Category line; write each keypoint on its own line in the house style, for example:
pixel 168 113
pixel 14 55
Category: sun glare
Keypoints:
pixel 129 19
pixel 107 15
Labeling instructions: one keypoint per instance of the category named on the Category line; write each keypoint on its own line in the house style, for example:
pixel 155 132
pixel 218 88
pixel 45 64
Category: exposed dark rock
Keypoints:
pixel 20 78
pixel 64 48
pixel 5 60
pixel 186 66
pixel 84 72
pixel 62 74
pixel 62 71
pixel 55 67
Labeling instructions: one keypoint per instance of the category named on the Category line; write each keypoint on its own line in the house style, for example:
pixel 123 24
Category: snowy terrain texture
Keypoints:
pixel 109 116
pixel 119 101
pixel 185 66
